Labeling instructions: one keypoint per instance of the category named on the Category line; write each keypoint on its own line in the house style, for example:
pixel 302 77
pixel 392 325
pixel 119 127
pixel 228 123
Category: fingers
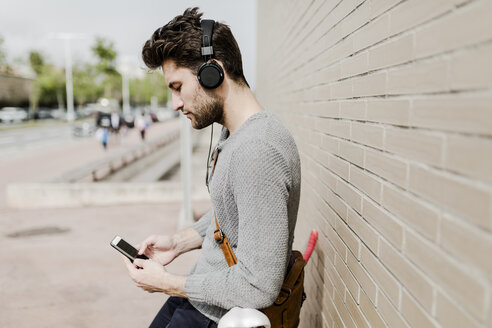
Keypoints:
pixel 141 263
pixel 129 265
pixel 150 241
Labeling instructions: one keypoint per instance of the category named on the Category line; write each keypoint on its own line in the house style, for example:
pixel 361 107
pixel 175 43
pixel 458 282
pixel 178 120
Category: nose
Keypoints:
pixel 177 102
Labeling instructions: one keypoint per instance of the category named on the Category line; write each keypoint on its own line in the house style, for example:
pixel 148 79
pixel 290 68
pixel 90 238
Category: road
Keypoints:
pixel 18 140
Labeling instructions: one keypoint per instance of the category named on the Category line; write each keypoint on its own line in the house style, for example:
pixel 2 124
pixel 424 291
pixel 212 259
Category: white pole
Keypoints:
pixel 69 82
pixel 126 93
pixel 186 217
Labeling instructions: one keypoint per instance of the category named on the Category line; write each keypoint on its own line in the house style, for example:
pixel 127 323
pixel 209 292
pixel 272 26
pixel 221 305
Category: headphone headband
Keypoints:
pixel 207 28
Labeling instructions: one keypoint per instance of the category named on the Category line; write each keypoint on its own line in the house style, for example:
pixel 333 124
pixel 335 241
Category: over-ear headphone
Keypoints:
pixel 210 74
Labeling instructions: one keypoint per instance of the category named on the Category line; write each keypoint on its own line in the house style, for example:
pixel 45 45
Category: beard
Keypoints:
pixel 209 108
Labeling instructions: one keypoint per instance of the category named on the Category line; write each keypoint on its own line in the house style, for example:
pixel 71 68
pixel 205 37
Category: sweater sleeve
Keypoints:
pixel 261 183
pixel 203 223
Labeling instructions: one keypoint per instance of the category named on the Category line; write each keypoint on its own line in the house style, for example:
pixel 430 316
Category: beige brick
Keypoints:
pixel 367 134
pixel 336 204
pixel 422 77
pixel 355 19
pixel 454 195
pixel 414 314
pixel 370 312
pixel 338 128
pixel 383 278
pixel 390 228
pixel 446 273
pixel 468 244
pixel 328 177
pixel 349 194
pixel 380 6
pixel 353 110
pixel 369 85
pixel 348 278
pixel 472 69
pixel 329 144
pixel 469 156
pixel 340 50
pixel 411 210
pixel 363 230
pixel 366 182
pixel 338 244
pixel 322 216
pixel 370 34
pixel 414 12
pixel 363 278
pixel 321 92
pixel 355 65
pixel 331 74
pixel 393 52
pixel 352 152
pixel 412 279
pixel 389 313
pixel 387 167
pixel 336 280
pixel 343 311
pixel 450 315
pixel 415 145
pixel 326 251
pixel 355 312
pixel 389 111
pixel 466 26
pixel 471 114
pixel 340 167
pixel 348 237
pixel 342 89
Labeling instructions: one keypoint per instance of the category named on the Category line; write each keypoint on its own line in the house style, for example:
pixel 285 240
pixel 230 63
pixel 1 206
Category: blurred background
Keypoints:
pixel 90 149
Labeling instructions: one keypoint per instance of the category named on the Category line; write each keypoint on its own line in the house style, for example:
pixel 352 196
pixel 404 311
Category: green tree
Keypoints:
pixel 110 78
pixel 85 88
pixel 4 66
pixel 36 60
pixel 153 84
pixel 49 86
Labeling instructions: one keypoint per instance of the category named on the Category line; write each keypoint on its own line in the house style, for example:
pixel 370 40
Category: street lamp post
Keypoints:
pixel 67 37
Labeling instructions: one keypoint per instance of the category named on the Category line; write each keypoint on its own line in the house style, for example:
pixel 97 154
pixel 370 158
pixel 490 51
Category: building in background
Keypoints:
pixel 390 103
pixel 15 90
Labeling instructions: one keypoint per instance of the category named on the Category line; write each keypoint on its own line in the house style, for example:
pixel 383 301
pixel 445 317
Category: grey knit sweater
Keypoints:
pixel 255 191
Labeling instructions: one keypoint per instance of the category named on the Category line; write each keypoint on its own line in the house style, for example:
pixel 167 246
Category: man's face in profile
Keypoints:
pixel 201 107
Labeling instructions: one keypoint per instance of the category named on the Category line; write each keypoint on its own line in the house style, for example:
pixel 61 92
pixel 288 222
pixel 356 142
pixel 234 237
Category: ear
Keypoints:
pixel 221 65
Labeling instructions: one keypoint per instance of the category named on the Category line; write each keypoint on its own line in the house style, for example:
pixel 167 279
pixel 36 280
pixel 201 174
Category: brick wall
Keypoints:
pixel 390 103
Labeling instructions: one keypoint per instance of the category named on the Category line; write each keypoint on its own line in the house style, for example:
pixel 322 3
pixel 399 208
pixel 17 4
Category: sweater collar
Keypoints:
pixel 226 137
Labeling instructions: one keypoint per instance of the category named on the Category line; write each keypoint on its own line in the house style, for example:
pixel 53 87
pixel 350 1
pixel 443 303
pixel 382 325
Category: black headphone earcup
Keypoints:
pixel 210 75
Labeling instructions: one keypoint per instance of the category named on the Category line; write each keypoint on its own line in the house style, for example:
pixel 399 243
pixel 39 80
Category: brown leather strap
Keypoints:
pixel 291 278
pixel 224 244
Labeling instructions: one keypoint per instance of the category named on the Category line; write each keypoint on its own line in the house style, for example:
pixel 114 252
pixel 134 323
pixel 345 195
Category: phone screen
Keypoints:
pixel 126 249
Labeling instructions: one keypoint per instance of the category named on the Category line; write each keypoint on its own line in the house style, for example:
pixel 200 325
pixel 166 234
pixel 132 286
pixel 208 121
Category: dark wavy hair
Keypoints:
pixel 181 41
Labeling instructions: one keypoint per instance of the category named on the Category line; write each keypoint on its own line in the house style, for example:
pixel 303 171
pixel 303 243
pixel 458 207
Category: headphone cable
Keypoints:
pixel 208 157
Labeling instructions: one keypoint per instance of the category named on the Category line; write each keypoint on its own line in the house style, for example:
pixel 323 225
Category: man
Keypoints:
pixel 254 180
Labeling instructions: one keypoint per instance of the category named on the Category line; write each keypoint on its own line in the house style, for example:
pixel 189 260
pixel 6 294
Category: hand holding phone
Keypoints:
pixel 126 249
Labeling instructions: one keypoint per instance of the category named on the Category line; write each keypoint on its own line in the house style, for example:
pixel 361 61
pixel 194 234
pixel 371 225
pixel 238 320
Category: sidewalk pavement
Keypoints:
pixel 58 269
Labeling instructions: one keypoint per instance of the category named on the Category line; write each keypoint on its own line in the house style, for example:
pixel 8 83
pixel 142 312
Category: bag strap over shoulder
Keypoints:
pixel 224 244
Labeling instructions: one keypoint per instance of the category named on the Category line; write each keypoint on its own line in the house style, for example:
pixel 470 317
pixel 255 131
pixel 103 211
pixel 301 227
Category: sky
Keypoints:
pixel 33 24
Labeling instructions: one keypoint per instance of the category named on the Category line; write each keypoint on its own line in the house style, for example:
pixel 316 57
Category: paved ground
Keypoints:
pixel 58 269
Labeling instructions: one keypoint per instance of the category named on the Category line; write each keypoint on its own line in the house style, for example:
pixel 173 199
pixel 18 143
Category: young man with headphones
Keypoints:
pixel 253 177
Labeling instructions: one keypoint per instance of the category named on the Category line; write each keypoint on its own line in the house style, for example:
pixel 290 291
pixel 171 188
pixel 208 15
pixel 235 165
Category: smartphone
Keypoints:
pixel 126 249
